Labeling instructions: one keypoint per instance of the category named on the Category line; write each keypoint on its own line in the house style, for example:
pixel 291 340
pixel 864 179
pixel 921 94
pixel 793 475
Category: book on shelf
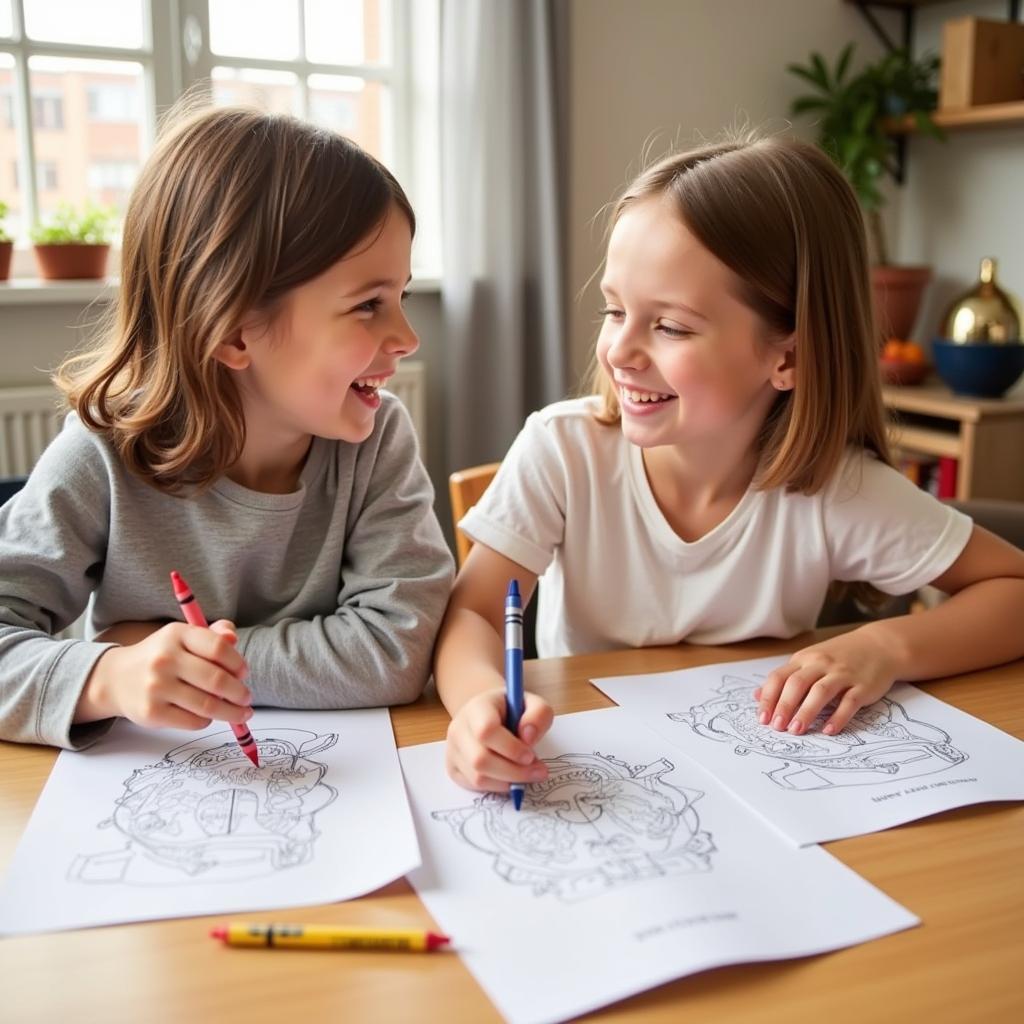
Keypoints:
pixel 937 476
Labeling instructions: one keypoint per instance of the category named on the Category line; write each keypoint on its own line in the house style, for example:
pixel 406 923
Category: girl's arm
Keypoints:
pixel 469 670
pixel 395 579
pixel 53 541
pixel 53 536
pixel 982 624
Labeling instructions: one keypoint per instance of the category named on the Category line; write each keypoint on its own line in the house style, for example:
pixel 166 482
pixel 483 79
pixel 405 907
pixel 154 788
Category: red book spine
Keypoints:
pixel 947 476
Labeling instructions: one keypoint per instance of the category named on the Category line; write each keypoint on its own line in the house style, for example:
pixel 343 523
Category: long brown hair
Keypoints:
pixel 783 218
pixel 234 208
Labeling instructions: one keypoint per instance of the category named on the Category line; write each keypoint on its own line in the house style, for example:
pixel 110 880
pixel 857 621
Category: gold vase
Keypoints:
pixel 985 314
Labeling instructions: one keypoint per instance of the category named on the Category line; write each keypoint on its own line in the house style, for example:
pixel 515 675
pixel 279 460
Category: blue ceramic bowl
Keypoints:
pixel 980 370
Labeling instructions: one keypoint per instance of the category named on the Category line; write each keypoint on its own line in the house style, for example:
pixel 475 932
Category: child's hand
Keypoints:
pixel 855 668
pixel 482 754
pixel 179 676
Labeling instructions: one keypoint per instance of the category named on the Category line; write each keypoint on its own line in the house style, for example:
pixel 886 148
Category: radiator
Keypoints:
pixel 30 418
pixel 29 421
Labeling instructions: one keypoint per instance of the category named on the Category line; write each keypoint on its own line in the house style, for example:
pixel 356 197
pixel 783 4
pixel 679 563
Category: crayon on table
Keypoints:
pixel 326 936
pixel 514 673
pixel 194 616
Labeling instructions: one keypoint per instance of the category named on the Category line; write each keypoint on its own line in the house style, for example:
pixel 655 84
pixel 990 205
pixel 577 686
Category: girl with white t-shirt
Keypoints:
pixel 731 465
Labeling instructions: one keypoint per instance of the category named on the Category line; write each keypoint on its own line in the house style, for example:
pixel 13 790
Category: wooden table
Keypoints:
pixel 960 872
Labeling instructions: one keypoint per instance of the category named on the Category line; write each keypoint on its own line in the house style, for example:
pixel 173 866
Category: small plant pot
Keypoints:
pixel 71 261
pixel 6 252
pixel 898 292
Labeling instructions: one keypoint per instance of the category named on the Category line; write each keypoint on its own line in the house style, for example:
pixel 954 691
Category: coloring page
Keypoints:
pixel 164 823
pixel 628 867
pixel 904 757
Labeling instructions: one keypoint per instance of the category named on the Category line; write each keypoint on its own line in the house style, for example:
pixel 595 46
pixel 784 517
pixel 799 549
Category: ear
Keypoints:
pixel 233 353
pixel 783 368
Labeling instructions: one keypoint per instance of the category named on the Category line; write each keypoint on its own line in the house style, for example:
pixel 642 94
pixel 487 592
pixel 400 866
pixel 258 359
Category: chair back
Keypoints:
pixel 466 488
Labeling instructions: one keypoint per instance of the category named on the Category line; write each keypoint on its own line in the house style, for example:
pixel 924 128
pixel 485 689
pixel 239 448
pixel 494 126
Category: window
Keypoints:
pixel 96 73
pixel 48 112
pixel 86 67
pixel 113 102
pixel 343 64
pixel 46 175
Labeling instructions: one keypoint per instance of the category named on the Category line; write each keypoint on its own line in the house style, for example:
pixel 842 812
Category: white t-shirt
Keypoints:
pixel 572 504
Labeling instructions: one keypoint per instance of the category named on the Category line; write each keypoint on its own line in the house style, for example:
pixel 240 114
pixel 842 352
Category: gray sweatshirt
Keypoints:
pixel 337 589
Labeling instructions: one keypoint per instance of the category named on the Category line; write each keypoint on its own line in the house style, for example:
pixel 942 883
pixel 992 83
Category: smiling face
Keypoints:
pixel 316 369
pixel 689 361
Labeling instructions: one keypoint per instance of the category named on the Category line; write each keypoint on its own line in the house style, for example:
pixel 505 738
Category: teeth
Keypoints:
pixel 371 382
pixel 643 396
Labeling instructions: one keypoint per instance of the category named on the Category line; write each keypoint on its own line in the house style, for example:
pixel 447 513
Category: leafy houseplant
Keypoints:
pixel 855 114
pixel 74 243
pixel 6 245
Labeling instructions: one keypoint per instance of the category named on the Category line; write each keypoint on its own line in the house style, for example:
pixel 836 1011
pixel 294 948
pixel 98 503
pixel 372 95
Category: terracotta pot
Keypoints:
pixel 898 292
pixel 6 251
pixel 71 261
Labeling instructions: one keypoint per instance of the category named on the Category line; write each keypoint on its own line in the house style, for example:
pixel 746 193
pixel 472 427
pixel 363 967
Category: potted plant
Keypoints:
pixel 74 243
pixel 855 120
pixel 6 245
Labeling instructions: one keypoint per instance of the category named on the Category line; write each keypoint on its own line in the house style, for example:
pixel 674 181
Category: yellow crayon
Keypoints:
pixel 328 936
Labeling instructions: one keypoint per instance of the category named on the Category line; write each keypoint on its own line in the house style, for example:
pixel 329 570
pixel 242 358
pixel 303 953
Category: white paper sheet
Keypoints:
pixel 905 757
pixel 153 824
pixel 629 867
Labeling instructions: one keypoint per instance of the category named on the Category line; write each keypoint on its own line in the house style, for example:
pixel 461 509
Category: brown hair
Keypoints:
pixel 234 208
pixel 782 217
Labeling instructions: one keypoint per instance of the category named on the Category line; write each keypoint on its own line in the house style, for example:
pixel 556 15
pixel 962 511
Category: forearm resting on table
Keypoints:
pixel 469 660
pixel 979 626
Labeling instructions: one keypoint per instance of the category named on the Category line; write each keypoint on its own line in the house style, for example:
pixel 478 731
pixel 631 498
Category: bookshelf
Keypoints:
pixel 984 435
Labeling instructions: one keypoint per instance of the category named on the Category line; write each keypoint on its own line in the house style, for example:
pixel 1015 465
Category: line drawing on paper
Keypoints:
pixel 594 825
pixel 881 743
pixel 205 813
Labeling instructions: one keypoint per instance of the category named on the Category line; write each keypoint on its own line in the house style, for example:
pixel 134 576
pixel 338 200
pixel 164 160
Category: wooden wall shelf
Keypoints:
pixel 992 115
pixel 986 436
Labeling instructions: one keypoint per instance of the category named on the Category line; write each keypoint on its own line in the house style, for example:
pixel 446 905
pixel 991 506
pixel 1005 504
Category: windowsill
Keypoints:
pixel 32 291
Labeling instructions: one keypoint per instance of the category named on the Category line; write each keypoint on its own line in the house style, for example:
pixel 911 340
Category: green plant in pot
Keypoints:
pixel 855 113
pixel 74 242
pixel 6 244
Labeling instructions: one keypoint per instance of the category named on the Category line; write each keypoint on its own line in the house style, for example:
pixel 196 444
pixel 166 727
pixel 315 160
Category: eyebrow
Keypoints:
pixel 381 282
pixel 661 303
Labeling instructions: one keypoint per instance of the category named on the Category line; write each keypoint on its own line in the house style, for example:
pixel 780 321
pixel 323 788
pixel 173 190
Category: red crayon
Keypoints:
pixel 194 615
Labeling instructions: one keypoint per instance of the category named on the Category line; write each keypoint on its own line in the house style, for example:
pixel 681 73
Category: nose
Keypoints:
pixel 626 350
pixel 402 340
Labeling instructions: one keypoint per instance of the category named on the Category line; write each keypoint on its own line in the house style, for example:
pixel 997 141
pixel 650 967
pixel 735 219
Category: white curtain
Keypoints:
pixel 502 289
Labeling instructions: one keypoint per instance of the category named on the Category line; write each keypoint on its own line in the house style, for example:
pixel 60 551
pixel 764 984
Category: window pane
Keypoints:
pixel 274 91
pixel 355 107
pixel 99 22
pixel 255 28
pixel 348 31
pixel 88 119
pixel 6 21
pixel 10 172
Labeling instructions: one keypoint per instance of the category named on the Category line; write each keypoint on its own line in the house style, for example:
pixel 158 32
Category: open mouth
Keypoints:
pixel 368 389
pixel 642 401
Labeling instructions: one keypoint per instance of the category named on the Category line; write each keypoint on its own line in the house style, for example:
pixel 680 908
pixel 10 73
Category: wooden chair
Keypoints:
pixel 466 487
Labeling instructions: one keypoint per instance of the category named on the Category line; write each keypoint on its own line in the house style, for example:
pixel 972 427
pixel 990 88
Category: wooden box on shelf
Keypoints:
pixel 982 62
pixel 985 436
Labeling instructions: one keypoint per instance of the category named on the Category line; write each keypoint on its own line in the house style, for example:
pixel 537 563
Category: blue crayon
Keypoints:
pixel 514 672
